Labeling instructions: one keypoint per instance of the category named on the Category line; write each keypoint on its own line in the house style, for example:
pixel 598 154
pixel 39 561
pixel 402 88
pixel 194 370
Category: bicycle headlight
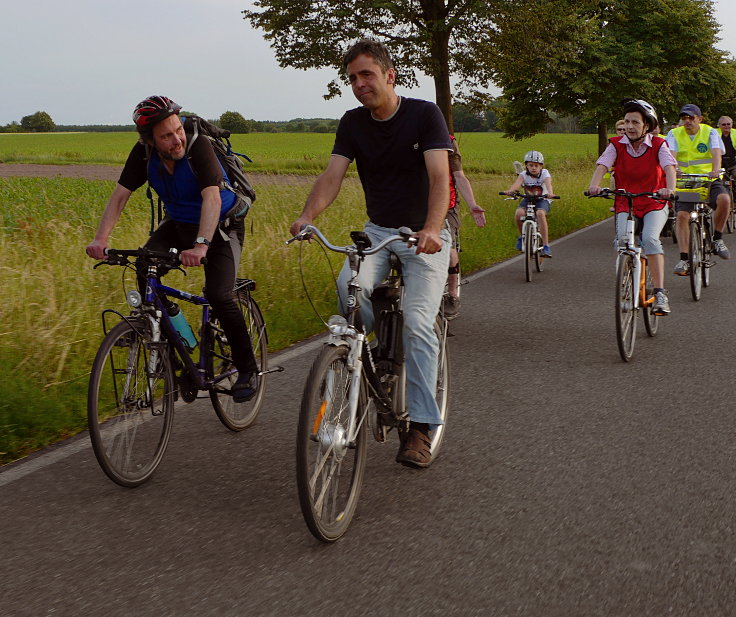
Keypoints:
pixel 693 215
pixel 337 325
pixel 134 299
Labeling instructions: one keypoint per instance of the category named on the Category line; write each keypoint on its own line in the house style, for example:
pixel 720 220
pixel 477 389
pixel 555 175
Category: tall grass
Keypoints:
pixel 50 324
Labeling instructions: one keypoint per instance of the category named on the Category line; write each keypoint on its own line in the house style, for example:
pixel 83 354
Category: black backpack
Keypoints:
pixel 197 127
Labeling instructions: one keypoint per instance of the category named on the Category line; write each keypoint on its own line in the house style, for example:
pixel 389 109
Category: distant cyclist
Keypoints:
pixel 188 181
pixel 725 130
pixel 644 164
pixel 535 180
pixel 699 150
pixel 459 183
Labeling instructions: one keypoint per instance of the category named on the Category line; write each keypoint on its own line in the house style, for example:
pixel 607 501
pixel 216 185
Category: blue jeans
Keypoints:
pixel 424 283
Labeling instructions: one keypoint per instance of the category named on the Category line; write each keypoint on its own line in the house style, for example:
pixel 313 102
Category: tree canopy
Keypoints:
pixel 234 122
pixel 432 36
pixel 585 61
pixel 40 122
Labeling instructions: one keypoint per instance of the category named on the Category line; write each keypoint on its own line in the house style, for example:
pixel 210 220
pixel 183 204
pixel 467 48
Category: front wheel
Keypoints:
pixel 130 403
pixel 528 251
pixel 538 259
pixel 329 465
pixel 442 394
pixel 625 311
pixel 651 320
pixel 696 260
pixel 237 416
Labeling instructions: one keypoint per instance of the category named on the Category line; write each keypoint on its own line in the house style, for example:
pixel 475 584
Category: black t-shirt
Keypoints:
pixel 729 156
pixel 389 155
pixel 201 156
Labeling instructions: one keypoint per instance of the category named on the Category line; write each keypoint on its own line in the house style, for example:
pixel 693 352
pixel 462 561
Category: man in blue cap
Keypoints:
pixel 699 150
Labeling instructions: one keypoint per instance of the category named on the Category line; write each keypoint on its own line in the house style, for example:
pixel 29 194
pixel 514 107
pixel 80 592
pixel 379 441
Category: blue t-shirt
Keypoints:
pixel 389 155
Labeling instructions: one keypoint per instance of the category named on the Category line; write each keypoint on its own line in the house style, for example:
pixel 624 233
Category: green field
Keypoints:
pixel 301 153
pixel 50 318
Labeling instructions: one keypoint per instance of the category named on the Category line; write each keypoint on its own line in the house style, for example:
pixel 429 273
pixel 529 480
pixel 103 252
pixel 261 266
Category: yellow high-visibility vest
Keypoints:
pixel 694 155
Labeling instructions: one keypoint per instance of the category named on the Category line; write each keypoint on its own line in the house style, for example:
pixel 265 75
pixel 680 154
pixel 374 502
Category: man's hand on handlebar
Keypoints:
pixel 428 241
pixel 96 250
pixel 193 256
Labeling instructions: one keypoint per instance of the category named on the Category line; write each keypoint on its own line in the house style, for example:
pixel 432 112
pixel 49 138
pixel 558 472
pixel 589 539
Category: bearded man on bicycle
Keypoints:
pixel 189 182
pixel 400 146
pixel 699 149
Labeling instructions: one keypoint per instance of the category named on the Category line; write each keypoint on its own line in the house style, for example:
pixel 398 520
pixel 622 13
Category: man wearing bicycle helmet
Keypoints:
pixel 699 150
pixel 188 182
pixel 400 146
pixel 537 180
pixel 644 164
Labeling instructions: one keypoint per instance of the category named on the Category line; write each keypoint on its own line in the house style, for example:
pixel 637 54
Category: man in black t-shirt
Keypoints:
pixel 190 184
pixel 400 147
pixel 725 128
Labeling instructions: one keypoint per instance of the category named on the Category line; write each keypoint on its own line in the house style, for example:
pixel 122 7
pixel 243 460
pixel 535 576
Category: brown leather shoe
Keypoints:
pixel 415 451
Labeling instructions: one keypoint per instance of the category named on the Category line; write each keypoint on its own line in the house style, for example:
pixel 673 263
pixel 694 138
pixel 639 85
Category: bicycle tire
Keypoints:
pixel 329 470
pixel 651 319
pixel 238 416
pixel 442 395
pixel 707 252
pixel 130 418
pixel 538 259
pixel 528 251
pixel 625 312
pixel 696 259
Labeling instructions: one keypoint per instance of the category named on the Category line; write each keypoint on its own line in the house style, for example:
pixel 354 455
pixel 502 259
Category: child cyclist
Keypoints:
pixel 644 163
pixel 536 180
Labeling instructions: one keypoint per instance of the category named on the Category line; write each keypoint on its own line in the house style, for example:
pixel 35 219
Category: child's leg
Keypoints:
pixel 542 223
pixel 518 215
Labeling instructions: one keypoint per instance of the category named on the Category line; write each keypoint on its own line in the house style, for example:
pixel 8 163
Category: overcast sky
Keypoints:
pixel 91 61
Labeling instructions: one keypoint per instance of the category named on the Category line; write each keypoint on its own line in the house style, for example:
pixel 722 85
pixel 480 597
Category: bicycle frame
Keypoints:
pixel 349 330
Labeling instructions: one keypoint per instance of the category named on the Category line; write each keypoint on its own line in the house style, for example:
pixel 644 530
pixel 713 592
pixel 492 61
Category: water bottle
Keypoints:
pixel 182 327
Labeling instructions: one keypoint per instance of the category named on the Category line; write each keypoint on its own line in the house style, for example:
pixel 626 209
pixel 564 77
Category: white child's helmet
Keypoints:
pixel 534 156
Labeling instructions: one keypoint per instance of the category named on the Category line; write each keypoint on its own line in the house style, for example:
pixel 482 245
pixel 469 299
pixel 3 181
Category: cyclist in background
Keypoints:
pixel 458 182
pixel 698 149
pixel 400 146
pixel 620 127
pixel 538 181
pixel 189 184
pixel 643 163
pixel 725 128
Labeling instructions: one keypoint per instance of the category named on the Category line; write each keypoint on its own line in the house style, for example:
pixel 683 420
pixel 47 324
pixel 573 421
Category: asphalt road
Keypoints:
pixel 570 483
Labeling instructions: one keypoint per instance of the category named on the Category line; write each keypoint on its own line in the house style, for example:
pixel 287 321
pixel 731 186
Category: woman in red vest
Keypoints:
pixel 643 163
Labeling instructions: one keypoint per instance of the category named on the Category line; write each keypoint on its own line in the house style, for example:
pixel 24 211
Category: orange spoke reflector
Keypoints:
pixel 318 419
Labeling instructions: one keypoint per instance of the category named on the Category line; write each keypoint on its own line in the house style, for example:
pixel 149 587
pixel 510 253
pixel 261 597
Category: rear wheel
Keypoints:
pixel 651 320
pixel 237 416
pixel 130 403
pixel 528 250
pixel 696 260
pixel 329 466
pixel 625 311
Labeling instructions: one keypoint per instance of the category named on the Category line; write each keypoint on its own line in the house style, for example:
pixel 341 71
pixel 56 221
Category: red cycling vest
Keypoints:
pixel 639 175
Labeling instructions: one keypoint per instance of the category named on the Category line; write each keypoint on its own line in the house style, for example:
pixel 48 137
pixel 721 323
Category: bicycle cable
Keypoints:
pixel 304 282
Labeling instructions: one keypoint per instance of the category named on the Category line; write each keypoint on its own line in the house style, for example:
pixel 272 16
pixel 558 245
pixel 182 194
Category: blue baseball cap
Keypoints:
pixel 690 110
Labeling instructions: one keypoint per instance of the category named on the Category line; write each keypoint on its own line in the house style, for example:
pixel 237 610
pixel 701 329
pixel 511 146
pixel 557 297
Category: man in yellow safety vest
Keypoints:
pixel 698 149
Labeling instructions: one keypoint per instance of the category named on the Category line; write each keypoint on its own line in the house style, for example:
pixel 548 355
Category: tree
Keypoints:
pixel 235 123
pixel 436 37
pixel 601 51
pixel 40 122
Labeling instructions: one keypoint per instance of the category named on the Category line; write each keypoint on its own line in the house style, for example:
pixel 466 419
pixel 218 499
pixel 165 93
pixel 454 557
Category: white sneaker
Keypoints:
pixel 682 268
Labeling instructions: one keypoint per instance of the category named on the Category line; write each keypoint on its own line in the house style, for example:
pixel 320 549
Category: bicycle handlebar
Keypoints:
pixel 119 257
pixel 405 235
pixel 609 193
pixel 518 195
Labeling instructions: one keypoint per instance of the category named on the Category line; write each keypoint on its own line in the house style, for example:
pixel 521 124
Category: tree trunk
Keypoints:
pixel 602 137
pixel 435 17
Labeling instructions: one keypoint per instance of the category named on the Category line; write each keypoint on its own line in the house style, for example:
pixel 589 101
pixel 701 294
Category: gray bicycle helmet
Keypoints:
pixel 534 156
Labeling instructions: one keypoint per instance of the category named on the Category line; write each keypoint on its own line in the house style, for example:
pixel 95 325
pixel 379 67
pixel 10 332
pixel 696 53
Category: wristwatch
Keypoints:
pixel 202 240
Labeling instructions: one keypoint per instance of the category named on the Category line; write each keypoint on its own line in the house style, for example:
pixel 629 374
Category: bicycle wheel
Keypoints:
pixel 237 416
pixel 538 259
pixel 528 251
pixel 651 320
pixel 443 386
pixel 696 260
pixel 329 469
pixel 625 312
pixel 130 404
pixel 707 261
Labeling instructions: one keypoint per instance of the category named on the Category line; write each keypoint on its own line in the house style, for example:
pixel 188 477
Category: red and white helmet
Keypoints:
pixel 152 110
